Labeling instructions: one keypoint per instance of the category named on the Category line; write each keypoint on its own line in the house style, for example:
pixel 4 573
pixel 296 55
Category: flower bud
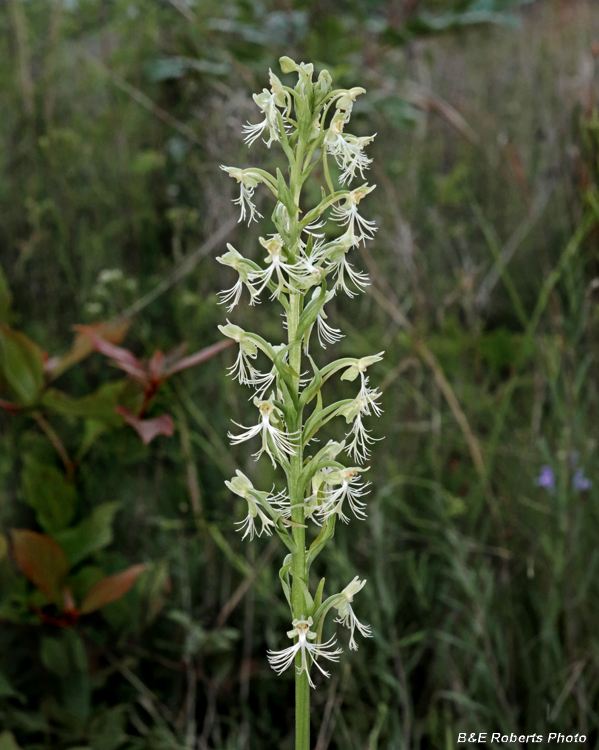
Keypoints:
pixel 240 484
pixel 323 86
pixel 287 64
pixel 360 366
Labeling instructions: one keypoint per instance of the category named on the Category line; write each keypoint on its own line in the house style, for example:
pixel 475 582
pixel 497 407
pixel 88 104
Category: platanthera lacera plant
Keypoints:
pixel 302 271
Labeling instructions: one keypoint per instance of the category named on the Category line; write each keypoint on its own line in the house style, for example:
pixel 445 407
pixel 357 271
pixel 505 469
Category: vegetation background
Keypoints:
pixel 482 590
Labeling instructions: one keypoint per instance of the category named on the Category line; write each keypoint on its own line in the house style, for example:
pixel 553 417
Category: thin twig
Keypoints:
pixel 507 251
pixel 423 98
pixel 426 354
pixel 184 10
pixel 145 101
pixel 243 587
pixel 191 472
pixel 326 717
pixel 148 698
pixel 69 465
pixel 19 20
pixel 568 687
pixel 182 270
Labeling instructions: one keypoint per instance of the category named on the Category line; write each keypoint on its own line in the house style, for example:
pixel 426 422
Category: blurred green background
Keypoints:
pixel 483 586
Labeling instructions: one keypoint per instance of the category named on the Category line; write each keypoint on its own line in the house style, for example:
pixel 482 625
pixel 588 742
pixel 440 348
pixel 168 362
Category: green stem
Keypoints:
pixel 296 492
pixel 298 558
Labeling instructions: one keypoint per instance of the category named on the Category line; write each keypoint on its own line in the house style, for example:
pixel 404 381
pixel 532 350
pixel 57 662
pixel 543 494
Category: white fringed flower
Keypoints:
pixel 335 254
pixel 243 267
pixel 363 405
pixel 347 215
pixel 242 486
pixel 265 380
pixel 282 441
pixel 275 267
pixel 310 652
pixel 347 150
pixel 247 185
pixel 268 101
pixel 326 333
pixel 242 370
pixel 346 613
pixel 344 484
pixel 367 397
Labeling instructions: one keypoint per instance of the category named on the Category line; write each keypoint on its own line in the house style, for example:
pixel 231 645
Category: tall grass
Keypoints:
pixel 483 595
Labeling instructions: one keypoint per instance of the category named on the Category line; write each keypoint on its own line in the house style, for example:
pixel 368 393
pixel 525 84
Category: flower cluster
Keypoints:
pixel 580 483
pixel 305 265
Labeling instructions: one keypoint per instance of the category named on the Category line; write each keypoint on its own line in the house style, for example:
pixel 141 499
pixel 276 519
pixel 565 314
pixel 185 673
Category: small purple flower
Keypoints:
pixel 580 482
pixel 546 478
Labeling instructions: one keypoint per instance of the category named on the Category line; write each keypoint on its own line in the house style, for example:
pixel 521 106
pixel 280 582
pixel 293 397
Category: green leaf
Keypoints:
pixel 318 597
pixel 41 560
pixel 81 581
pixel 285 194
pixel 90 535
pixel 92 430
pixel 77 652
pixel 55 656
pixel 99 406
pixel 108 729
pixel 7 691
pixel 21 365
pixel 323 537
pixel 49 493
pixel 8 742
pixel 307 598
pixel 284 576
pixel 5 299
pixel 76 688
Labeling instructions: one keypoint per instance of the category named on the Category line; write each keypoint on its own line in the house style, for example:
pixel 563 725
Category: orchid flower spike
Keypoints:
pixel 310 652
pixel 346 613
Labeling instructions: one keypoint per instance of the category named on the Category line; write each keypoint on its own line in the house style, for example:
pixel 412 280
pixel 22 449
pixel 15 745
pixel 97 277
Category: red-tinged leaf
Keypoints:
pixel 148 429
pixel 10 407
pixel 201 356
pixel 82 346
pixel 42 560
pixel 68 603
pixel 122 357
pixel 173 357
pixel 110 589
pixel 155 367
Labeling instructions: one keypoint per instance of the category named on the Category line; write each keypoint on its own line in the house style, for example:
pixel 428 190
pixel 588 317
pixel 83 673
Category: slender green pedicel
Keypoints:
pixel 303 270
